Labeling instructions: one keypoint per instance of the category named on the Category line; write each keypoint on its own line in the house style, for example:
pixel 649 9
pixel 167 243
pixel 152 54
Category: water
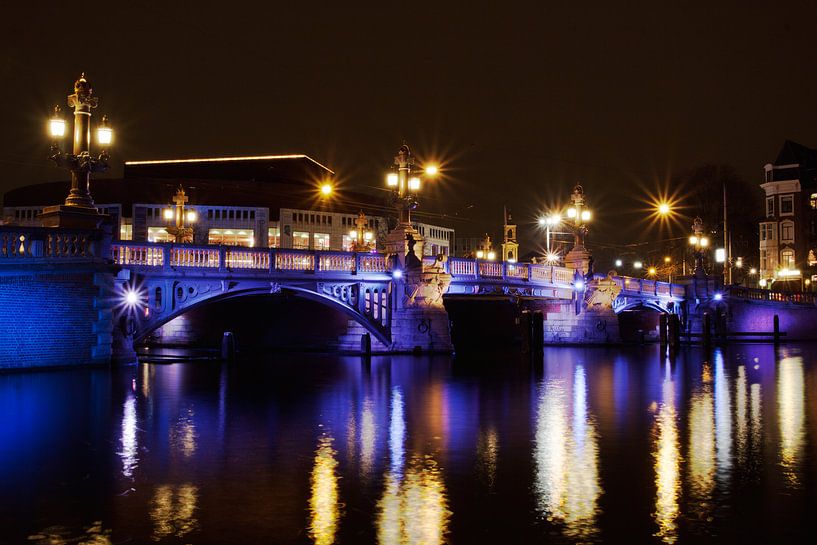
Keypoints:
pixel 588 445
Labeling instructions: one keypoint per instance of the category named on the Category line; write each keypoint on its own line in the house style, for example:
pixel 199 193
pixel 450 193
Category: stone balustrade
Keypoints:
pixel 29 243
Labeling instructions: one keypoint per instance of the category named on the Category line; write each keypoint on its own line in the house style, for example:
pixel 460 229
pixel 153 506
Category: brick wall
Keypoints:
pixel 55 316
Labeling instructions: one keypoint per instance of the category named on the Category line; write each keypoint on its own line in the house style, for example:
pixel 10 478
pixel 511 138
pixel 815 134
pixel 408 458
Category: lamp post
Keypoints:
pixel 485 249
pixel 578 257
pixel 698 242
pixel 78 211
pixel 362 240
pixel 405 184
pixel 181 230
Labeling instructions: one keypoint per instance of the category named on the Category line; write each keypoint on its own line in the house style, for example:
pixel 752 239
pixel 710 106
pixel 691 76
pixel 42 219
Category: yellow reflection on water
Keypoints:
pixel 487 452
pixel 566 457
pixel 723 420
pixel 701 449
pixel 791 414
pixel 667 464
pixel 414 509
pixel 173 510
pixel 323 502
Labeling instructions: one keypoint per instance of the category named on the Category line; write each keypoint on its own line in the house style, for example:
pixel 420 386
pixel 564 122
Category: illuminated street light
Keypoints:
pixel 131 298
pixel 698 242
pixel 619 263
pixel 432 170
pixel 651 271
pixel 637 264
pixel 586 215
pixel 664 209
pixel 56 125
pixel 752 270
pixel 168 214
pixel 78 209
pixel 571 212
pixel 104 134
pixel 391 179
pixel 362 240
pixel 326 189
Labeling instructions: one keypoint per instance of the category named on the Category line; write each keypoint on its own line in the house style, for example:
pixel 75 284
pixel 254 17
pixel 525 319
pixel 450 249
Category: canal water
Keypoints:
pixel 579 446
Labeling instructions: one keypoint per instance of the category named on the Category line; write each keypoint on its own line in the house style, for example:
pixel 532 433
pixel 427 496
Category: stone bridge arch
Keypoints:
pixel 163 299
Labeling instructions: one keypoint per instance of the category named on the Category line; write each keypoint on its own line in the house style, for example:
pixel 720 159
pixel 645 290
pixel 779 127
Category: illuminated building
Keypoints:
pixel 788 230
pixel 264 201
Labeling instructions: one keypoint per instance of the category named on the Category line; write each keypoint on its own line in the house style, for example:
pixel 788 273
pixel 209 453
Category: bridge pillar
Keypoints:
pixel 419 321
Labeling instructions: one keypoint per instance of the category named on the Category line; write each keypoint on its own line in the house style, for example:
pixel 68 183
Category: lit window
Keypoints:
pixel 813 201
pixel 231 237
pixel 787 204
pixel 321 241
pixel 787 259
pixel 158 234
pixel 769 206
pixel 347 243
pixel 126 231
pixel 274 237
pixel 300 240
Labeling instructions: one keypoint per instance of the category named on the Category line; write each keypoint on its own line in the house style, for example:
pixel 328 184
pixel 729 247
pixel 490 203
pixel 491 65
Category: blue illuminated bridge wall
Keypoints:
pixel 62 292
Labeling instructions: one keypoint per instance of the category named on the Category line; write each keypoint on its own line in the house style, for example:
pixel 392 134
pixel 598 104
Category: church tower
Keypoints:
pixel 510 247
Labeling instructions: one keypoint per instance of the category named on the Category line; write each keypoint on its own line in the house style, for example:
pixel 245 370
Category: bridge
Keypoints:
pixel 170 279
pixel 64 293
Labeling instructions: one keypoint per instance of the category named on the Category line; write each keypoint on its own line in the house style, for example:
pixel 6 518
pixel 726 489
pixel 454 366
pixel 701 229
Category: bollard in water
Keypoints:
pixel 776 328
pixel 228 346
pixel 538 333
pixel 707 329
pixel 366 344
pixel 662 329
pixel 674 332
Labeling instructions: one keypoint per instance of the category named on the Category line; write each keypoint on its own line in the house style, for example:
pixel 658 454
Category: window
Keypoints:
pixel 787 231
pixel 767 231
pixel 300 240
pixel 252 214
pixel 126 231
pixel 347 243
pixel 158 234
pixel 769 206
pixel 231 237
pixel 786 204
pixel 813 201
pixel 274 237
pixel 787 259
pixel 209 214
pixel 218 214
pixel 321 241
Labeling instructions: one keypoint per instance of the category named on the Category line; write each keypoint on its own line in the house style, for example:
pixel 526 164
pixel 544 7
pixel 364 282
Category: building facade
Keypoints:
pixel 788 230
pixel 268 201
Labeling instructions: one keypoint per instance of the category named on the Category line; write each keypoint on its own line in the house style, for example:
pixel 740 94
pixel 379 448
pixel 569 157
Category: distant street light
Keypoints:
pixel 698 242
pixel 664 209
pixel 181 231
pixel 78 209
pixel 405 185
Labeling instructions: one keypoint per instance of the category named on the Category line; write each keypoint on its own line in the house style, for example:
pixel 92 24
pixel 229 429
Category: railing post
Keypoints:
pixel 504 265
pixel 222 258
pixel 271 266
pixel 476 269
pixel 166 256
pixel 357 263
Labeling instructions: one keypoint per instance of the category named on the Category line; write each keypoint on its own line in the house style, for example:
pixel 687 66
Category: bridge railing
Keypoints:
pixel 757 294
pixel 147 254
pixel 48 243
pixel 645 286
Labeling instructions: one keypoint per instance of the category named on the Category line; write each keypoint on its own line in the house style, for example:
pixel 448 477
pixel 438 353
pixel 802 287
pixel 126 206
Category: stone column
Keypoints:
pixel 419 319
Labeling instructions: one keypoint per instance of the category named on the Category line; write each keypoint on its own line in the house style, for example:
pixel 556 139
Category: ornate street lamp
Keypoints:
pixel 698 242
pixel 405 183
pixel 485 249
pixel 362 240
pixel 578 217
pixel 181 230
pixel 79 210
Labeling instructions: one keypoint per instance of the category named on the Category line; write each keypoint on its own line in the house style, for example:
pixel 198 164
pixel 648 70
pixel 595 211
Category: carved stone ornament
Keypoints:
pixel 602 293
pixel 427 289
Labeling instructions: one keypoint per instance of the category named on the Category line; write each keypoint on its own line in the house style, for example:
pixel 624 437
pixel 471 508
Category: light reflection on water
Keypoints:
pixel 323 501
pixel 566 454
pixel 791 413
pixel 173 510
pixel 414 508
pixel 667 463
pixel 586 446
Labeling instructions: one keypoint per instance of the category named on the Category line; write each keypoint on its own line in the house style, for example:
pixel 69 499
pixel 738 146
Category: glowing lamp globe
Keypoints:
pixel 391 180
pixel 56 127
pixel 192 216
pixel 168 214
pixel 326 189
pixel 432 170
pixel 586 215
pixel 414 184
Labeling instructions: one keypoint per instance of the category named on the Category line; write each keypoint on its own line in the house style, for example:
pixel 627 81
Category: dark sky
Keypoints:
pixel 519 101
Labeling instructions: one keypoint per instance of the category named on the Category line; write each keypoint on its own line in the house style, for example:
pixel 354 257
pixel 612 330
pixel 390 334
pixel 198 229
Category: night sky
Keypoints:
pixel 518 102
